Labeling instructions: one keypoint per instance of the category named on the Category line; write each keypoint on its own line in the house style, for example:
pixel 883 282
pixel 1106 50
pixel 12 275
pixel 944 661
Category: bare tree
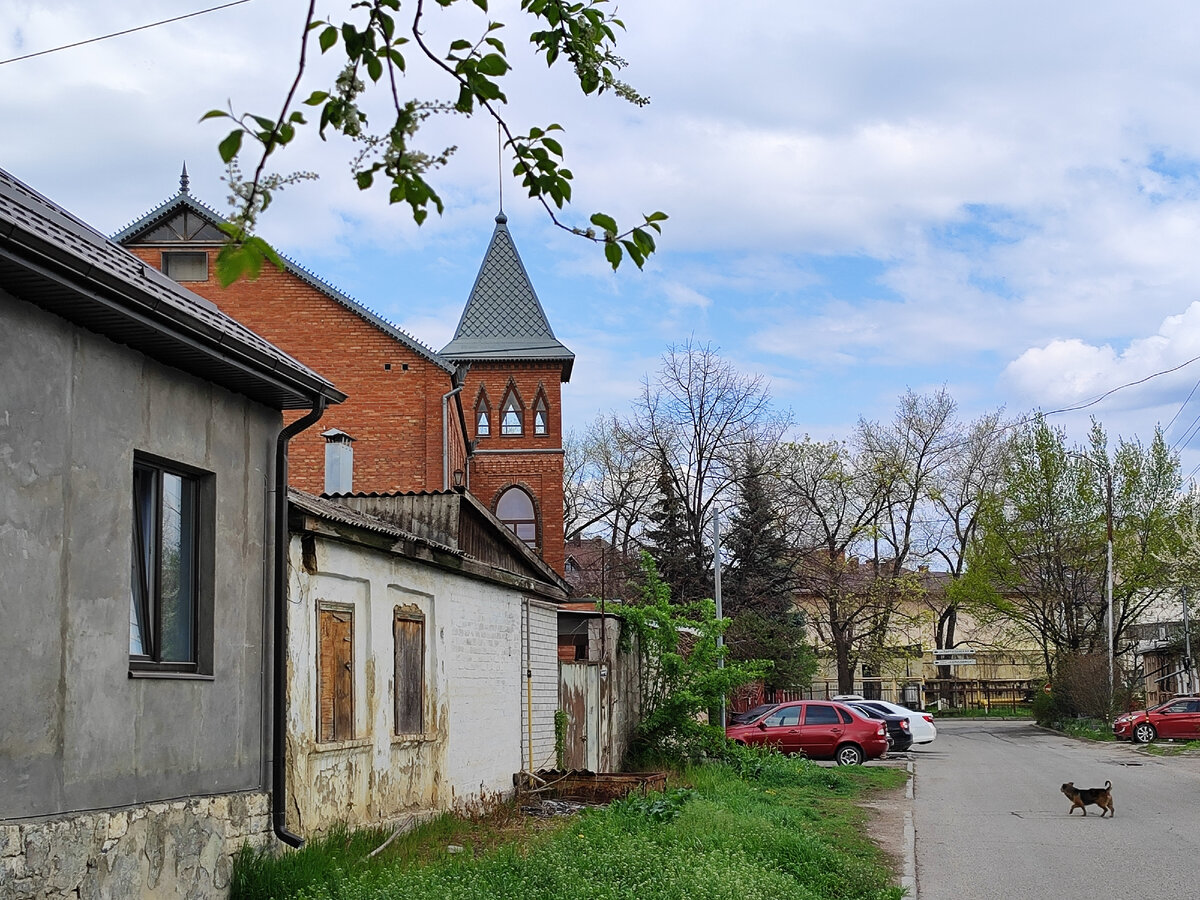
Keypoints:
pixel 697 418
pixel 834 501
pixel 609 479
pixel 958 490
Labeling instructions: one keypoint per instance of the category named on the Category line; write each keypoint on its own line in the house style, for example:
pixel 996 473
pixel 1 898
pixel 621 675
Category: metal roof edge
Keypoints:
pixel 181 201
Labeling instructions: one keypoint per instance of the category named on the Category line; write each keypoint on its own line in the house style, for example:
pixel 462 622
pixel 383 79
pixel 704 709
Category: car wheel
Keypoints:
pixel 849 755
pixel 1144 733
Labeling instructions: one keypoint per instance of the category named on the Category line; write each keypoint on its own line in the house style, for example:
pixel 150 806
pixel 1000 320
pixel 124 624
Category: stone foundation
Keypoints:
pixel 182 848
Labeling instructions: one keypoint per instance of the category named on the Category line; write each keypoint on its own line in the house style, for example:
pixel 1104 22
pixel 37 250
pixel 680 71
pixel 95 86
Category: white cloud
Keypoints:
pixel 1069 372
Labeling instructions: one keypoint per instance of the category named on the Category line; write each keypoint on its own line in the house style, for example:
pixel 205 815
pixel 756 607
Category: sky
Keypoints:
pixel 864 197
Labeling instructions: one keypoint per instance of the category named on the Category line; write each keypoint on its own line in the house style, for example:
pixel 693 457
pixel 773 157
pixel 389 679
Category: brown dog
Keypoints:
pixel 1081 797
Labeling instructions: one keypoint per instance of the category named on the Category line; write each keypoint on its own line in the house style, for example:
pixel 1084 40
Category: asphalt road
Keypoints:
pixel 991 821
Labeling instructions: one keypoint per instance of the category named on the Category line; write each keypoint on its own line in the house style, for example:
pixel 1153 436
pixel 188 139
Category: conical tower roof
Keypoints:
pixel 503 319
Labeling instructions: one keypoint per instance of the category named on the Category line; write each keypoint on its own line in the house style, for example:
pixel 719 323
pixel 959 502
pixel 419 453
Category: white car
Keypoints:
pixel 920 723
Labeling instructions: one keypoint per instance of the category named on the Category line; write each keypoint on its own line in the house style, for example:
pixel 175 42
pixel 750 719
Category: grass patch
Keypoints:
pixel 771 828
pixel 1092 729
pixel 1163 747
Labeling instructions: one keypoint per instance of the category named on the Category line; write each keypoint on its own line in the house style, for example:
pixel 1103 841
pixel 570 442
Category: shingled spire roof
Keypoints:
pixel 503 319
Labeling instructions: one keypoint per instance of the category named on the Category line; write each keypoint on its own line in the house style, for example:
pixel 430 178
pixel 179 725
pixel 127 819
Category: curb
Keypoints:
pixel 908 880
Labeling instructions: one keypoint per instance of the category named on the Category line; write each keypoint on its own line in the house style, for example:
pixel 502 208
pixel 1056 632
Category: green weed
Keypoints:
pixel 788 833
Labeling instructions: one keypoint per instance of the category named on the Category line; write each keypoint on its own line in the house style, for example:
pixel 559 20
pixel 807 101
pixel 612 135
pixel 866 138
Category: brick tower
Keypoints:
pixel 512 398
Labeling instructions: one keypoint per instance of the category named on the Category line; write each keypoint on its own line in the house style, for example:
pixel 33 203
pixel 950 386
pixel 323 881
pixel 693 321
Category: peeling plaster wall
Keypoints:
pixel 472 743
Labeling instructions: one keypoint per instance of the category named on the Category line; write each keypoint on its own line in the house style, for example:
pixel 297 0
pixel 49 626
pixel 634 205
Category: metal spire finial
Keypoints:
pixel 500 167
pixel 183 180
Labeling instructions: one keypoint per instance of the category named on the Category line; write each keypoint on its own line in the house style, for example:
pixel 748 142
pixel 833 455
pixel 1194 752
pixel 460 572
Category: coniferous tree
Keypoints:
pixel 671 547
pixel 757 587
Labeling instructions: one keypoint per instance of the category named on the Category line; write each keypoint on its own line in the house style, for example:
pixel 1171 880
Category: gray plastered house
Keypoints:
pixel 140 470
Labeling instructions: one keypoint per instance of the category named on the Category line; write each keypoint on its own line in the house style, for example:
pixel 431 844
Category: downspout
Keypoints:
pixel 446 436
pixel 279 621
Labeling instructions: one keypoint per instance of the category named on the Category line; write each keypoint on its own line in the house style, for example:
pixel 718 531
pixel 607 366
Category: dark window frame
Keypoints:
pixel 147 606
pixel 184 257
pixel 515 524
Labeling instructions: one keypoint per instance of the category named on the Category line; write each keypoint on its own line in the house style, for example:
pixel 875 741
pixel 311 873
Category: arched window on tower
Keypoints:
pixel 510 415
pixel 483 417
pixel 515 510
pixel 541 415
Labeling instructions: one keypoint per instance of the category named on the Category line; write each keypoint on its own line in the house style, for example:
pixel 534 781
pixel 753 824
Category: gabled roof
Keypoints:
pixel 51 259
pixel 503 319
pixel 185 220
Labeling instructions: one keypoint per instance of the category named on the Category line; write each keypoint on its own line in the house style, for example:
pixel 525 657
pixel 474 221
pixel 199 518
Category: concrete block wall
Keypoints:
pixel 179 849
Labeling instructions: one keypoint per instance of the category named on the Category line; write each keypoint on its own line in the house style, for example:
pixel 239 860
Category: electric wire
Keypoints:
pixel 105 37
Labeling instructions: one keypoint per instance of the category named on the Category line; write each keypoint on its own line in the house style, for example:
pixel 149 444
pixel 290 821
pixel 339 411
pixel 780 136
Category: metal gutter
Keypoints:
pixel 279 622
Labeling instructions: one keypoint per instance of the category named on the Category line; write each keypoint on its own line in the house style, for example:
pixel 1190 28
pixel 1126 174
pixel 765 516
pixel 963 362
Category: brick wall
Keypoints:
pixel 394 409
pixel 531 461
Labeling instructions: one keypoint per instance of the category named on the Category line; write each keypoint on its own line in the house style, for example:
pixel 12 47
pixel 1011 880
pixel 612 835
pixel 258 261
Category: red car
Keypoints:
pixel 1178 718
pixel 818 729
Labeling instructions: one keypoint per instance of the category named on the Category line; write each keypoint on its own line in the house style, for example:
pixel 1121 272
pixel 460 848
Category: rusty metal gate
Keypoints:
pixel 587 727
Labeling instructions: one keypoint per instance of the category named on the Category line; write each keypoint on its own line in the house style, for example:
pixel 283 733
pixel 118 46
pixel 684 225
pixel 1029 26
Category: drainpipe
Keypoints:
pixel 446 436
pixel 279 621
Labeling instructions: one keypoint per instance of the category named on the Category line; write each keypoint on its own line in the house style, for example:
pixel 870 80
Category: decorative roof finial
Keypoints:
pixel 183 180
pixel 501 218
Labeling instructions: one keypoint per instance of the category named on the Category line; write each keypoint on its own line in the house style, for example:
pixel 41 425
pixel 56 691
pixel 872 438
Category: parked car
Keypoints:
pixel 1178 719
pixel 920 723
pixel 751 715
pixel 818 729
pixel 898 729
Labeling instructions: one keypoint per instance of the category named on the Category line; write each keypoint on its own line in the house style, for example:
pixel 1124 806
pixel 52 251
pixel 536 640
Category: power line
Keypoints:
pixel 105 37
pixel 1182 406
pixel 1122 387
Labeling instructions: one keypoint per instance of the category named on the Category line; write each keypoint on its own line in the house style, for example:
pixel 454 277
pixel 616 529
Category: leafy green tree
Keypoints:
pixel 382 41
pixel 1040 558
pixel 758 586
pixel 679 675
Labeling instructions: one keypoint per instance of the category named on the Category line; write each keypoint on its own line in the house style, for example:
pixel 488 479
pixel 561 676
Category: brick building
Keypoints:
pixel 512 391
pixel 405 424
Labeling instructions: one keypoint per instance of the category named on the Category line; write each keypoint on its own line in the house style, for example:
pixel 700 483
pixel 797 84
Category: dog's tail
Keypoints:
pixel 1108 785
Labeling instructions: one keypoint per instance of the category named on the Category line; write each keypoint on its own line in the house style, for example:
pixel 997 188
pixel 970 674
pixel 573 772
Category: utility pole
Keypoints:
pixel 717 599
pixel 1108 585
pixel 1188 671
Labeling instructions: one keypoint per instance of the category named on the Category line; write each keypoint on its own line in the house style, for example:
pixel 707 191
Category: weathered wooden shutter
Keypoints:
pixel 335 688
pixel 408 634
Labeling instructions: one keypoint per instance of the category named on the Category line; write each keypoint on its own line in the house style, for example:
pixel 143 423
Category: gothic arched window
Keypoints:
pixel 515 510
pixel 483 417
pixel 510 415
pixel 541 415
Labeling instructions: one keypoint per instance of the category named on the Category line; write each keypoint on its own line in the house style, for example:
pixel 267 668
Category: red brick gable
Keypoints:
pixel 394 409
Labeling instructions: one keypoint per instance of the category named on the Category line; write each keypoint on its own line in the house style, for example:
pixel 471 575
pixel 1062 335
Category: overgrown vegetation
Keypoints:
pixel 679 677
pixel 758 826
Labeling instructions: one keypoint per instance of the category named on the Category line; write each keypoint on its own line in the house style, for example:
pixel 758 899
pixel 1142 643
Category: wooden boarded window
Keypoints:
pixel 335 674
pixel 408 636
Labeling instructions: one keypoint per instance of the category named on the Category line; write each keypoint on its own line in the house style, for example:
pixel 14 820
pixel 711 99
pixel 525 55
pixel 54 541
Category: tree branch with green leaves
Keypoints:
pixel 583 34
